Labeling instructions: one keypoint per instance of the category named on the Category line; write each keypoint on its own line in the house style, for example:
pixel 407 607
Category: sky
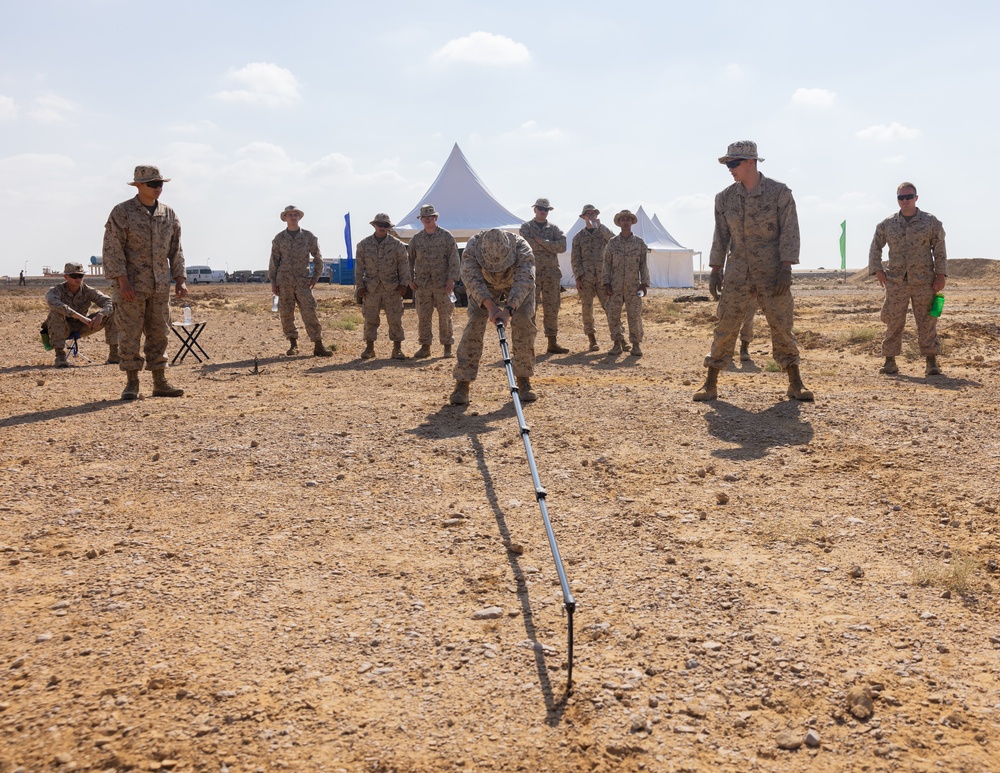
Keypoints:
pixel 342 107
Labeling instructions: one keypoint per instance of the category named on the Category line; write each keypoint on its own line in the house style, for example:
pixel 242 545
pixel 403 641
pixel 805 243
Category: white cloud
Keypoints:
pixel 482 48
pixel 734 71
pixel 8 109
pixel 264 84
pixel 531 130
pixel 882 133
pixel 193 127
pixel 818 98
pixel 49 108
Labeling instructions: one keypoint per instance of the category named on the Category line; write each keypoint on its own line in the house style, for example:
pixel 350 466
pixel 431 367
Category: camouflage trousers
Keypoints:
pixel 426 300
pixel 898 298
pixel 521 336
pixel 548 287
pixel 291 294
pixel 61 327
pixel 778 311
pixel 633 312
pixel 147 317
pixel 746 332
pixel 377 300
pixel 589 291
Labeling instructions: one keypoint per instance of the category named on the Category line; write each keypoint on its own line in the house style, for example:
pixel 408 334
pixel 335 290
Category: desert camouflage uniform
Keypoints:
pixel 587 258
pixel 746 331
pixel 754 233
pixel 625 268
pixel 434 260
pixel 289 270
pixel 62 302
pixel 916 253
pixel 147 249
pixel 380 269
pixel 547 273
pixel 514 287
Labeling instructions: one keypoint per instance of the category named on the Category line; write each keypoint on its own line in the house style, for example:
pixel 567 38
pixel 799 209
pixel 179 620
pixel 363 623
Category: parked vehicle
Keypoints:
pixel 240 276
pixel 204 275
pixel 260 277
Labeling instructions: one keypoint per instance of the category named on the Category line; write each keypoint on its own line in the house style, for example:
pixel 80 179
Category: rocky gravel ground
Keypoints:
pixel 319 565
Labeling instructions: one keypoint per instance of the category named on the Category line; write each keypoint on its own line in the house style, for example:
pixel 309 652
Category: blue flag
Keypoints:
pixel 347 239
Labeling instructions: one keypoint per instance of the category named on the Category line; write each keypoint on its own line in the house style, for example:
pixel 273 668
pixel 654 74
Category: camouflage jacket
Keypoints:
pixel 755 232
pixel 626 265
pixel 59 298
pixel 144 247
pixel 517 282
pixel 434 258
pixel 588 253
pixel 385 264
pixel 916 248
pixel 290 256
pixel 553 242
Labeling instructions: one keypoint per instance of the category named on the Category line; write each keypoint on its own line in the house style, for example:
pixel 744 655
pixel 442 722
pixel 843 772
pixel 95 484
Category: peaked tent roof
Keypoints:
pixel 465 204
pixel 654 234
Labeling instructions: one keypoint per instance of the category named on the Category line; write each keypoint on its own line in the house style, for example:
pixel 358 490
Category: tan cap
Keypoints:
pixel 290 208
pixel 741 149
pixel 73 268
pixel 496 250
pixel 589 208
pixel 381 217
pixel 427 210
pixel 147 174
pixel 625 215
pixel 543 204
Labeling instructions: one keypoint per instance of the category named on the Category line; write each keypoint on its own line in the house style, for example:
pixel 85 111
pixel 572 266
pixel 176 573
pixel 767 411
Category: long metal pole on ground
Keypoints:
pixel 540 494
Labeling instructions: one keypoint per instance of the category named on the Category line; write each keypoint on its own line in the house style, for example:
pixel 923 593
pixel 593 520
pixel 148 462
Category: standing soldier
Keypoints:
pixel 69 305
pixel 546 242
pixel 625 276
pixel 587 259
pixel 383 272
pixel 434 260
pixel 917 269
pixel 757 240
pixel 499 274
pixel 142 253
pixel 290 280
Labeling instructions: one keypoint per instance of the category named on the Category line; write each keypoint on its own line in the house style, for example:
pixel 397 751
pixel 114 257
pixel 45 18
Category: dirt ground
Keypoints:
pixel 319 565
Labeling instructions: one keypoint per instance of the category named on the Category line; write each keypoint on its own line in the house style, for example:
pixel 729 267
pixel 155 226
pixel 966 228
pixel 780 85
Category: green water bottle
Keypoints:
pixel 937 305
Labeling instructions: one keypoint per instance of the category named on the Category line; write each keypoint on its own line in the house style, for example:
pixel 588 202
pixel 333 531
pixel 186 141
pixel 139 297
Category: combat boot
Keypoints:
pixel 131 391
pixel 593 342
pixel 447 350
pixel 422 352
pixel 397 350
pixel 524 391
pixel 113 357
pixel 293 346
pixel 932 368
pixel 461 394
pixel 617 348
pixel 162 387
pixel 626 347
pixel 745 351
pixel 636 350
pixel 61 361
pixel 889 368
pixel 369 351
pixel 555 348
pixel 319 350
pixel 796 389
pixel 710 389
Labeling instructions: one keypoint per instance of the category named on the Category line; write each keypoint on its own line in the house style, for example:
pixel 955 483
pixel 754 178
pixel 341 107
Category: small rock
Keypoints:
pixel 859 701
pixel 92 553
pixel 992 566
pixel 448 522
pixel 730 477
pixel 311 484
pixel 156 456
pixel 722 497
pixel 254 444
pixel 690 663
pixel 789 739
pixel 712 646
pixel 640 725
pixel 43 637
pixel 857 572
pixel 490 613
pixel 812 739
pixel 515 548
pixel 696 710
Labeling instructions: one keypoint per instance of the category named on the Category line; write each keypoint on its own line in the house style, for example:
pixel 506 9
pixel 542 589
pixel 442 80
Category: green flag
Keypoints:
pixel 843 246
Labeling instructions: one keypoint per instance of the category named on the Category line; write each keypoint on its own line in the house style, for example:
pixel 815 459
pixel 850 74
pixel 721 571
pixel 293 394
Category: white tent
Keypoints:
pixel 465 204
pixel 670 264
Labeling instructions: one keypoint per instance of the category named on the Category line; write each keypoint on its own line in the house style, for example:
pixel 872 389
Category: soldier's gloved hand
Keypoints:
pixel 715 283
pixel 784 282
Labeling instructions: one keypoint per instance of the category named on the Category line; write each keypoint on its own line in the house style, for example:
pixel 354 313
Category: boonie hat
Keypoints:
pixel 496 250
pixel 147 174
pixel 290 208
pixel 381 217
pixel 427 210
pixel 741 149
pixel 625 215
pixel 543 204
pixel 73 268
pixel 589 208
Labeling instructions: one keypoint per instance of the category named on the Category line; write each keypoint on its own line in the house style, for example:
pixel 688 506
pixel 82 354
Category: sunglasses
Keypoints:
pixel 154 184
pixel 734 163
pixel 75 276
pixel 383 225
pixel 906 196
pixel 543 209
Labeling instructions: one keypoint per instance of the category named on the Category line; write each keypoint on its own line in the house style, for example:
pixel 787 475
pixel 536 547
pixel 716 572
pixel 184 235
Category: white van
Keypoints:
pixel 204 275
